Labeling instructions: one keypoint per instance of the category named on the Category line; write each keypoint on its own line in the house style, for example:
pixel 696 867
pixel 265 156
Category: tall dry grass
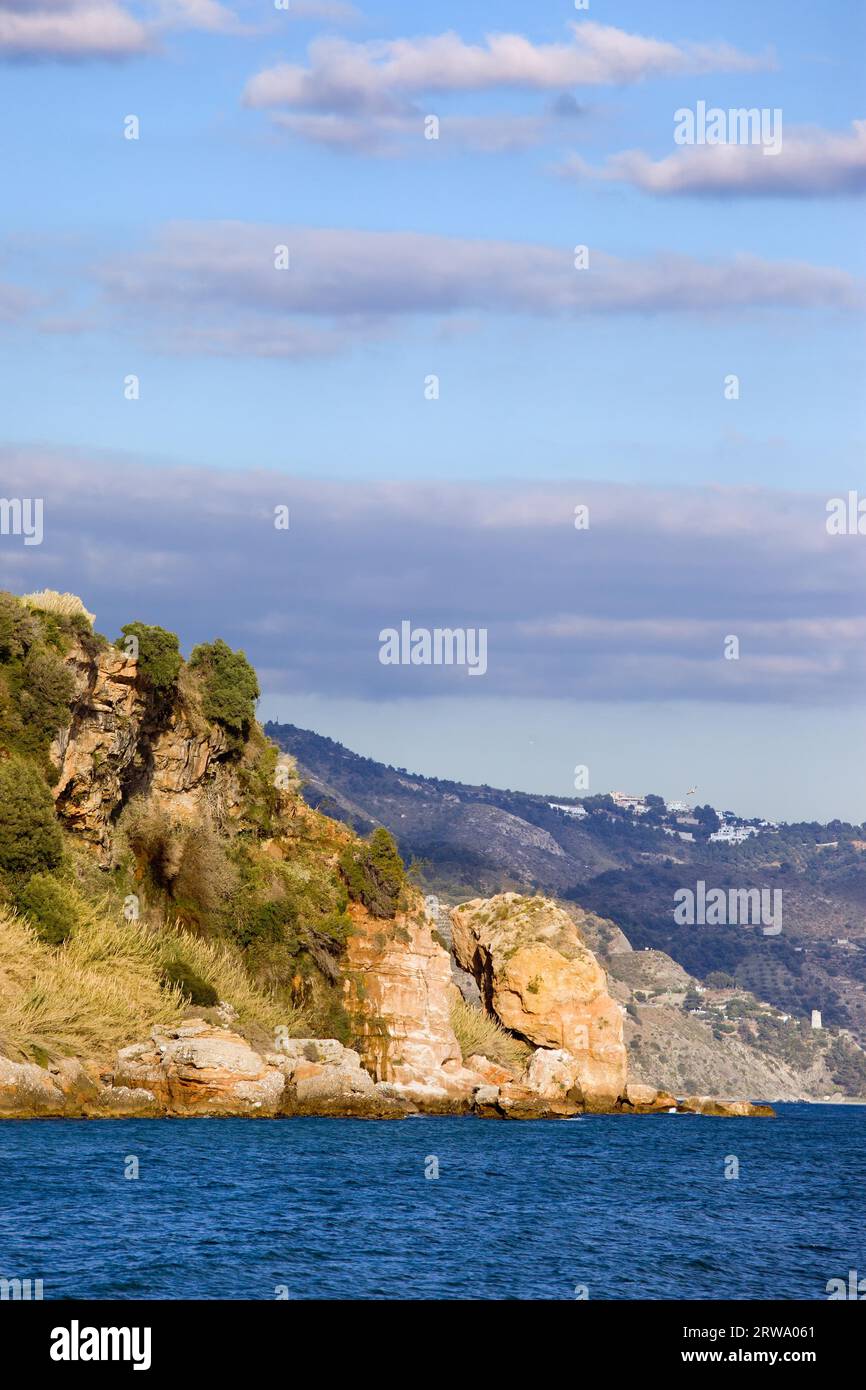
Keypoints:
pixel 478 1033
pixel 64 605
pixel 104 988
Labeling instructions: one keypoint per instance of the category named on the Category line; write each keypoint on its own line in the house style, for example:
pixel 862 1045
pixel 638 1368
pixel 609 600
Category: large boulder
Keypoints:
pixel 27 1090
pixel 554 1074
pixel 646 1100
pixel 539 979
pixel 198 1069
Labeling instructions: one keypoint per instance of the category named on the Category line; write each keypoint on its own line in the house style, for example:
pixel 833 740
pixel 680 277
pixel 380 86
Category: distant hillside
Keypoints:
pixel 480 840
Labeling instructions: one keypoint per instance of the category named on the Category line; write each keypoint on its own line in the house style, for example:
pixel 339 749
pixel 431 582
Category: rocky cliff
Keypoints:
pixel 543 983
pixel 199 941
pixel 120 742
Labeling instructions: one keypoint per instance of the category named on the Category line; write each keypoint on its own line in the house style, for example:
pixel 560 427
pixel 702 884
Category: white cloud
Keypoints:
pixel 70 29
pixel 345 287
pixel 209 16
pixel 811 163
pixel 75 30
pixel 380 77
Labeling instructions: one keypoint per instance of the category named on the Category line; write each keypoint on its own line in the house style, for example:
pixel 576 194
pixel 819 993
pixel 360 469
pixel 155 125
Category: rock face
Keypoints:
pixel 197 1069
pixel 27 1090
pixel 540 981
pixel 397 995
pixel 118 744
pixel 324 1078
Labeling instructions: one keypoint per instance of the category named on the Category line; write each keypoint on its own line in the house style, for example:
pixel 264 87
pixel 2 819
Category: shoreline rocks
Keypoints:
pixel 196 1070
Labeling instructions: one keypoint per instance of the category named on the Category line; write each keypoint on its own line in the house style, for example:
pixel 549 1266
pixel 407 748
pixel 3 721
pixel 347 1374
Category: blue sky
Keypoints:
pixel 149 257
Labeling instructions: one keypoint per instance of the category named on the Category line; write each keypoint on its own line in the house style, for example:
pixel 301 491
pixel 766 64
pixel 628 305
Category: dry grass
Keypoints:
pixel 103 989
pixel 65 605
pixel 96 993
pixel 477 1032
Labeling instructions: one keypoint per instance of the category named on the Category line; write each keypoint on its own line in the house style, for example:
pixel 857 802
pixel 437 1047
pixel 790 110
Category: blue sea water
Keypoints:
pixel 627 1206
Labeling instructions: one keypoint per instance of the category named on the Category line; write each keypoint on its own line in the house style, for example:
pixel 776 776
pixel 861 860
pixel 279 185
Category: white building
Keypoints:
pixel 577 811
pixel 733 834
pixel 627 802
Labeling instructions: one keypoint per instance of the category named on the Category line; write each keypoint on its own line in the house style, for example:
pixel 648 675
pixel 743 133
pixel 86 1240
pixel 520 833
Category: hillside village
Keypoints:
pixel 679 818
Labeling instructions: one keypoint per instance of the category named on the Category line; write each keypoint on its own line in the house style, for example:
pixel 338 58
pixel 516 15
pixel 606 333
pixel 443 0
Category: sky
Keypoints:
pixel 307 384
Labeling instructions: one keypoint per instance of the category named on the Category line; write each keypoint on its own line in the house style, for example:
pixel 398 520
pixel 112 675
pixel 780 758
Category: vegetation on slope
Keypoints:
pixel 110 982
pixel 248 909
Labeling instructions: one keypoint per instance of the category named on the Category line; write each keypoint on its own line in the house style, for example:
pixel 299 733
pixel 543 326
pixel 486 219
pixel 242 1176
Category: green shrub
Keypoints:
pixel 374 873
pixel 159 658
pixel 17 628
pixel 230 687
pixel 50 908
pixel 45 695
pixel 30 839
pixel 266 924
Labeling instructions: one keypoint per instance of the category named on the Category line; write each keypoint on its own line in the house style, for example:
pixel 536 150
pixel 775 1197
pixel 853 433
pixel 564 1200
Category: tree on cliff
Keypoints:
pixel 30 838
pixel 230 687
pixel 374 873
pixel 158 652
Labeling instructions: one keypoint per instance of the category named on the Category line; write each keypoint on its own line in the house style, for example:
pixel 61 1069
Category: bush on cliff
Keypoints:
pixel 35 686
pixel 63 605
pixel 30 839
pixel 49 906
pixel 374 873
pixel 158 651
pixel 44 696
pixel 230 687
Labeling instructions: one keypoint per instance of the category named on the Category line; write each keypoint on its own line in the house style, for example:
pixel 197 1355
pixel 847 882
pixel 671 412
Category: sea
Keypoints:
pixel 598 1207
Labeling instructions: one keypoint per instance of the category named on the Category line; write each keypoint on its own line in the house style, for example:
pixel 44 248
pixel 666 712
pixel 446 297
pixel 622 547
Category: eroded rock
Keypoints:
pixel 196 1068
pixel 397 995
pixel 539 980
pixel 736 1109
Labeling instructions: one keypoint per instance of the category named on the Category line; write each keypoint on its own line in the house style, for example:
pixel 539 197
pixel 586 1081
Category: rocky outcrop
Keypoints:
pixel 646 1100
pixel 539 980
pixel 27 1090
pixel 713 1105
pixel 397 996
pixel 324 1078
pixel 198 1069
pixel 120 743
